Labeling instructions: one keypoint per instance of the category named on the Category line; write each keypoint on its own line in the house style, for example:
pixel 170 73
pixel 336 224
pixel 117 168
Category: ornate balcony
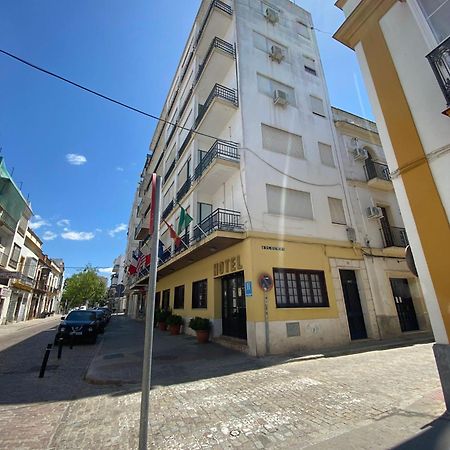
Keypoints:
pixel 439 60
pixel 394 237
pixel 378 175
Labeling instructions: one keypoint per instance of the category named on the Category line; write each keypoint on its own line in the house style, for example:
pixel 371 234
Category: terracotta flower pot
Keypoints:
pixel 202 336
pixel 174 329
pixel 162 326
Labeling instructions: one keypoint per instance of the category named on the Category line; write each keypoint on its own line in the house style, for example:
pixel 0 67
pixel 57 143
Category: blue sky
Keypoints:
pixel 126 50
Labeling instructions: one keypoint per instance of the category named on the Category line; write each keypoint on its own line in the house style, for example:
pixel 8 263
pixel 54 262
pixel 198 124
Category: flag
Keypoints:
pixel 147 260
pixel 184 220
pixel 132 269
pixel 141 262
pixel 173 234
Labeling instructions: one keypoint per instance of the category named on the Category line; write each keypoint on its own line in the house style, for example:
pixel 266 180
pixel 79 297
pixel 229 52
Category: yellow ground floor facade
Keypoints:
pixel 324 294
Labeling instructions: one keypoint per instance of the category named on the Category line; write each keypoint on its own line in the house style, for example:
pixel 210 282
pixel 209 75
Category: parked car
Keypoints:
pixel 101 318
pixel 107 312
pixel 79 324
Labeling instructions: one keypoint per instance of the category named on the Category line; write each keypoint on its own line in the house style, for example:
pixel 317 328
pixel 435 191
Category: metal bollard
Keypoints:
pixel 60 346
pixel 45 360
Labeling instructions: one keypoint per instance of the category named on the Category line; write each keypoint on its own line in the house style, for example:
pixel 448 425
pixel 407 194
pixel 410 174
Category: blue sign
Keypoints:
pixel 248 289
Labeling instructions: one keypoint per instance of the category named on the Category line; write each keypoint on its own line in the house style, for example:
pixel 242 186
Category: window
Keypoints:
pixel 15 255
pixel 179 298
pixel 283 142
pixel 437 14
pixel 199 294
pixel 267 86
pixel 289 202
pixel 184 173
pixel 300 288
pixel 303 29
pixel 158 300
pixel 168 196
pixel 326 154
pixel 337 211
pixel 166 299
pixel 265 44
pixel 317 106
pixel 30 267
pixel 310 65
pixel 204 210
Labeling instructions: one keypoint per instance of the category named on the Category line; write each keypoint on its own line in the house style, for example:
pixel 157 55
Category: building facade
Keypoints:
pixel 404 53
pixel 266 169
pixel 116 291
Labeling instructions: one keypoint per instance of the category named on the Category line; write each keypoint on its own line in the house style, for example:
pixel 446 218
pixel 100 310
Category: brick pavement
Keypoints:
pixel 252 403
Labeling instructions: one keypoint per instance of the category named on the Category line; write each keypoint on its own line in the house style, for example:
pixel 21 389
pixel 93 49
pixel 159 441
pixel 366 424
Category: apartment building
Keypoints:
pixel 259 163
pixel 404 52
pixel 116 298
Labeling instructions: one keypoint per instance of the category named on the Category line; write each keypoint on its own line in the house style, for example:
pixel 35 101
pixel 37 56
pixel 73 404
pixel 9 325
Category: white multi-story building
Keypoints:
pixel 116 298
pixel 258 162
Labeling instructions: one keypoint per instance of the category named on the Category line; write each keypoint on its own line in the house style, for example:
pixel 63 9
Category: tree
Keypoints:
pixel 85 287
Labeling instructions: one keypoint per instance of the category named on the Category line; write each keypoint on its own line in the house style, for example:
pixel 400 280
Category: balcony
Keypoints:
pixel 378 176
pixel 142 230
pixel 394 237
pixel 7 220
pixel 167 210
pixel 169 171
pixel 217 110
pixel 216 22
pixel 185 104
pixel 439 60
pixel 184 189
pixel 185 143
pixel 218 61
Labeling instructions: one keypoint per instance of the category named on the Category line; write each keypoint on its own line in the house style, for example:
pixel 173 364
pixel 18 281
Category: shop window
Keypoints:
pixel 199 294
pixel 179 297
pixel 300 288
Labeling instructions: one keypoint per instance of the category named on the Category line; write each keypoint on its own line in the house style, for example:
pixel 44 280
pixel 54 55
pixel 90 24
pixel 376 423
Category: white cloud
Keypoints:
pixel 119 169
pixel 76 160
pixel 119 228
pixel 63 223
pixel 98 230
pixel 49 236
pixel 105 269
pixel 38 222
pixel 78 235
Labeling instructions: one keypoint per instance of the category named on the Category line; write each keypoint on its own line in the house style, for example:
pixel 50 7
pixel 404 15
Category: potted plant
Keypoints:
pixel 174 322
pixel 201 326
pixel 163 315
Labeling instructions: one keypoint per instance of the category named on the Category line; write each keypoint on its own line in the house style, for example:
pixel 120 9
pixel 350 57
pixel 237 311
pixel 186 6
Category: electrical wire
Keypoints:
pixel 110 99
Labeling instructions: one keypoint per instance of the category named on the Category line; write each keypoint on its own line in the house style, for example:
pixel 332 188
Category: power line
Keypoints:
pixel 105 97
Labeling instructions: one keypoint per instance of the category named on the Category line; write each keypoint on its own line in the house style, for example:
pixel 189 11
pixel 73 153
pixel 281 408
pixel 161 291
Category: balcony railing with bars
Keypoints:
pixel 169 171
pixel 168 209
pixel 185 143
pixel 218 91
pixel 214 4
pixel 219 44
pixel 439 60
pixel 394 237
pixel 222 150
pixel 184 189
pixel 376 170
pixel 172 132
pixel 186 102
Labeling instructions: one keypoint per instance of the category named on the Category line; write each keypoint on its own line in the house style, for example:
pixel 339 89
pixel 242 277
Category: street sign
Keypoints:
pixel 248 289
pixel 265 282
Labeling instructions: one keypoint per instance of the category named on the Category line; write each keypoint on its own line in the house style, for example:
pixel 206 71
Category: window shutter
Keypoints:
pixel 326 155
pixel 337 211
pixel 289 202
pixel 283 142
pixel 317 106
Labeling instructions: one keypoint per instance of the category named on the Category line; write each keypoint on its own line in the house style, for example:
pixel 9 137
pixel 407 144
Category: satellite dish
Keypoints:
pixel 410 260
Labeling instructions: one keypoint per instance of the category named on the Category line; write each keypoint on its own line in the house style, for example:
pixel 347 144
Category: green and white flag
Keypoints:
pixel 184 220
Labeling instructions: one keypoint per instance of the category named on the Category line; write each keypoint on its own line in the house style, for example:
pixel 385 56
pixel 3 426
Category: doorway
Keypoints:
pixel 404 304
pixel 352 300
pixel 234 314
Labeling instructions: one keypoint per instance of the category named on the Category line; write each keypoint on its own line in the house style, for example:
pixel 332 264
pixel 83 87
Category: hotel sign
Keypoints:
pixel 229 265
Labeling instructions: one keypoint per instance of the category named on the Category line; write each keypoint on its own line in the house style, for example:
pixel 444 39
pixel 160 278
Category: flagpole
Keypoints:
pixel 150 312
pixel 201 229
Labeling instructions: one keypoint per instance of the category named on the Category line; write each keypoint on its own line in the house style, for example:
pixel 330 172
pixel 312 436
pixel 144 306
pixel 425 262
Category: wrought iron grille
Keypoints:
pixel 394 237
pixel 439 60
pixel 376 170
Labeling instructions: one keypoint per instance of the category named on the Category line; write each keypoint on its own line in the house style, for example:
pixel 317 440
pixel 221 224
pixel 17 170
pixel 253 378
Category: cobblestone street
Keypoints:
pixel 225 402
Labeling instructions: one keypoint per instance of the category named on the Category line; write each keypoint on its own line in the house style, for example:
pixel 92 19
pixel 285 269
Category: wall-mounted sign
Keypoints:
pixel 265 282
pixel 230 265
pixel 273 248
pixel 248 289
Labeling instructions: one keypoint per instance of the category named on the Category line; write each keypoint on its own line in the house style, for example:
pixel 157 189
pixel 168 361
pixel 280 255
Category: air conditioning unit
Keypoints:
pixel 360 154
pixel 271 16
pixel 373 212
pixel 280 97
pixel 276 53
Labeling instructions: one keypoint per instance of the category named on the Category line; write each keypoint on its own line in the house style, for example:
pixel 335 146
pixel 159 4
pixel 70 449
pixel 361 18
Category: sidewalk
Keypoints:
pixel 12 328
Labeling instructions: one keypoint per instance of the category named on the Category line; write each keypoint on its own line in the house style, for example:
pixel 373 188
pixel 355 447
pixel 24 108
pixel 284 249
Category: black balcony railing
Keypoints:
pixel 172 132
pixel 394 237
pixel 185 143
pixel 439 59
pixel 184 189
pixel 165 256
pixel 217 43
pixel 168 209
pixel 175 94
pixel 214 4
pixel 220 219
pixel 186 67
pixel 186 102
pixel 376 170
pixel 222 150
pixel 169 171
pixel 218 91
